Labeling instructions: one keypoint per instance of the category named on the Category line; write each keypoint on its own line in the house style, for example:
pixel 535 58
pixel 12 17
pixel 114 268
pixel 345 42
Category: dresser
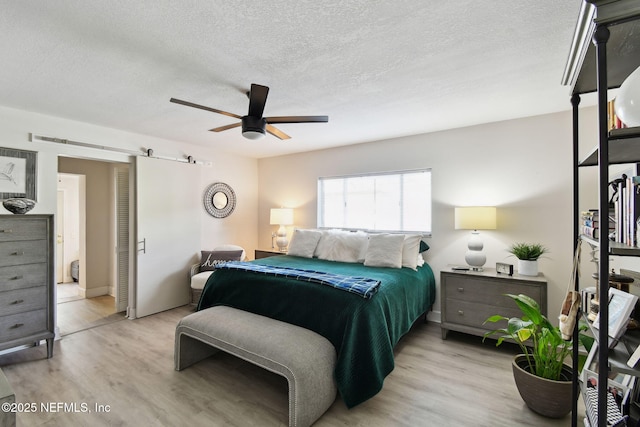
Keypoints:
pixel 26 281
pixel 468 298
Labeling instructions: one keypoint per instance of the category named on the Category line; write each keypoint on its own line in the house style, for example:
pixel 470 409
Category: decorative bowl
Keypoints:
pixel 18 205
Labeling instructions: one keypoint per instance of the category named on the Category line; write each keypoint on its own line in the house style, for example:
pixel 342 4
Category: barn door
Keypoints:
pixel 168 209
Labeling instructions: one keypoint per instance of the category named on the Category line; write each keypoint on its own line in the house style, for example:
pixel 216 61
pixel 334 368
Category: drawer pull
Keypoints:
pixel 18 301
pixel 461 313
pixel 18 253
pixel 17 325
pixel 8 230
pixel 16 278
pixel 460 289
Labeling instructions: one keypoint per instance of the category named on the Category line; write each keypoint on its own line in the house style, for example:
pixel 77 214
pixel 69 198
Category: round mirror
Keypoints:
pixel 219 200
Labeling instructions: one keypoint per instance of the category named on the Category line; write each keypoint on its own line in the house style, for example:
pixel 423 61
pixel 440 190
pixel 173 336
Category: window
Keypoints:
pixel 396 201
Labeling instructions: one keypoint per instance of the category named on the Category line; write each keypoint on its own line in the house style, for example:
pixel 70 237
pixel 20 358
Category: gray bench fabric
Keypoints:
pixel 307 360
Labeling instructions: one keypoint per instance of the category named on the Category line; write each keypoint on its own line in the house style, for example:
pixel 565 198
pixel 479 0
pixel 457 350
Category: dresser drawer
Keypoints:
pixel 21 300
pixel 23 252
pixel 22 228
pixel 22 324
pixel 488 291
pixel 470 313
pixel 23 276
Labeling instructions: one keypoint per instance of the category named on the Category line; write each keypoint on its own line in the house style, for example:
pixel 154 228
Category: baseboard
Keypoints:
pixel 96 292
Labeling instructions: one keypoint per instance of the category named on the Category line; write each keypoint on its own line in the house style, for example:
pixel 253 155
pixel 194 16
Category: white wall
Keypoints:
pixel 521 166
pixel 239 172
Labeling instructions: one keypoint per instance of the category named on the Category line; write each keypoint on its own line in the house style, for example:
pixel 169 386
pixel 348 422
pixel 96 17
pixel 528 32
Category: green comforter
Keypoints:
pixel 363 331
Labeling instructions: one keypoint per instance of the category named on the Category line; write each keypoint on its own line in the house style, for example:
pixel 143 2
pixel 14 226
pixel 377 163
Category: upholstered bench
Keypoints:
pixel 307 360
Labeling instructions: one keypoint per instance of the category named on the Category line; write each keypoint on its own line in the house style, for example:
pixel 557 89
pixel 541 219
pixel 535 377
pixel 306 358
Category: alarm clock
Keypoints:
pixel 504 268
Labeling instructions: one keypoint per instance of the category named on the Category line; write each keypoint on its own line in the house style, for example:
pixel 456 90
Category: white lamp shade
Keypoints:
pixel 281 216
pixel 475 218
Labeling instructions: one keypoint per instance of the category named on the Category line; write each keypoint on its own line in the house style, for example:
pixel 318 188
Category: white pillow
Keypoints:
pixel 322 250
pixel 347 246
pixel 384 250
pixel 411 248
pixel 304 242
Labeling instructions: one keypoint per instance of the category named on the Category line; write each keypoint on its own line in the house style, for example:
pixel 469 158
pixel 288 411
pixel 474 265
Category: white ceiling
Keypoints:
pixel 378 68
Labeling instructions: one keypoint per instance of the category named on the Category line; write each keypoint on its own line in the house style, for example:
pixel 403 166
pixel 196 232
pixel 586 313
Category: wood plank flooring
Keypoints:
pixel 126 368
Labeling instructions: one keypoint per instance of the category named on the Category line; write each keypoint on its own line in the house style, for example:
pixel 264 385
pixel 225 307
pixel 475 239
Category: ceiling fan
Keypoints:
pixel 253 124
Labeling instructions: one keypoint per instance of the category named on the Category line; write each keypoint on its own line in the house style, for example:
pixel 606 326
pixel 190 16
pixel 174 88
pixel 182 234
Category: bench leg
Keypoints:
pixel 190 350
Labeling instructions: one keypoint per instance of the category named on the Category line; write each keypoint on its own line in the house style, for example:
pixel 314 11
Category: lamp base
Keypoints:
pixel 474 257
pixel 281 240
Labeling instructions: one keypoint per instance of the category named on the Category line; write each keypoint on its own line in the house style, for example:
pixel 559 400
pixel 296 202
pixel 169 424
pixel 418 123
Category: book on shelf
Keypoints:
pixel 590 223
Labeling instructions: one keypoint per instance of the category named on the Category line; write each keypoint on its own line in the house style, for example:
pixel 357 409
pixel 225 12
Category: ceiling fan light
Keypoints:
pixel 252 134
pixel 253 127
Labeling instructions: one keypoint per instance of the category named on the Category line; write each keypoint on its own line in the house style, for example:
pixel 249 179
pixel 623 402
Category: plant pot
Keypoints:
pixel 546 397
pixel 527 267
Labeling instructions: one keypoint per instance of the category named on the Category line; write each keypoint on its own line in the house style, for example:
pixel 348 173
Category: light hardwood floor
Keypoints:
pixel 128 365
pixel 75 313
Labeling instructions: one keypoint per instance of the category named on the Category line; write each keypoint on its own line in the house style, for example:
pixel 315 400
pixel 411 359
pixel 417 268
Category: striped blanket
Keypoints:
pixel 361 286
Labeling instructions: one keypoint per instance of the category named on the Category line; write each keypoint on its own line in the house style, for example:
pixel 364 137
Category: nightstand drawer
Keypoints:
pixel 483 291
pixel 474 314
pixel 21 300
pixel 469 298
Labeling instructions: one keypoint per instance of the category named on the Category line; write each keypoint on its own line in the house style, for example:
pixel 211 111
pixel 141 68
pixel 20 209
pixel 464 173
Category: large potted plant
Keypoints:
pixel 540 373
pixel 527 254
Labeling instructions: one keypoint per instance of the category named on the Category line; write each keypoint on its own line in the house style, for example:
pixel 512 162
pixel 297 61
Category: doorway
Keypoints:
pixel 86 293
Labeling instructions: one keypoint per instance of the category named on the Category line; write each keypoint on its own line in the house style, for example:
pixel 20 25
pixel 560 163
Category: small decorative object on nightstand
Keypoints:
pixel 504 268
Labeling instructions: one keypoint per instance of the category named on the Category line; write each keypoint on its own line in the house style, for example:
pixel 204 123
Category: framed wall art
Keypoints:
pixel 18 173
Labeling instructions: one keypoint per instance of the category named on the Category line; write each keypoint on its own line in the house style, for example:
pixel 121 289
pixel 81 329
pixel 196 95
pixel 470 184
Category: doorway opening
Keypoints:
pixel 87 277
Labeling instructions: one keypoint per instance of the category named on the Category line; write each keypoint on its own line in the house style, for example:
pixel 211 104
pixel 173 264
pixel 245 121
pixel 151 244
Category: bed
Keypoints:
pixel 364 330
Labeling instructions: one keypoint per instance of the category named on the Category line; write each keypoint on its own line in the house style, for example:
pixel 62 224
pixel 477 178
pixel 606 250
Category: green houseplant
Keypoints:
pixel 542 378
pixel 527 254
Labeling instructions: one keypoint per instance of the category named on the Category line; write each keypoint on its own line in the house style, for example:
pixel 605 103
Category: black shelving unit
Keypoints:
pixel 604 52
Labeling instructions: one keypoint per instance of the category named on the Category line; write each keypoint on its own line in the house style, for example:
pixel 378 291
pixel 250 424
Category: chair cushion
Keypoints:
pixel 198 280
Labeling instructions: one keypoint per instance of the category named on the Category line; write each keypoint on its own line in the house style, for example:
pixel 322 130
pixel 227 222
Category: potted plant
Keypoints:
pixel 541 375
pixel 527 254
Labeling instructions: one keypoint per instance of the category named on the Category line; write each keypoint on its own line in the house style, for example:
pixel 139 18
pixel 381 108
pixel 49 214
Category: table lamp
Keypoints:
pixel 475 218
pixel 282 217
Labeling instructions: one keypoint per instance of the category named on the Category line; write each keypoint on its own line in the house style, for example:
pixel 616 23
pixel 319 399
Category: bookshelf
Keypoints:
pixel 604 52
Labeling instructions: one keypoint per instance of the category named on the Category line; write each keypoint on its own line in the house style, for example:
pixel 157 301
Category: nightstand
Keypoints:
pixel 265 253
pixel 468 298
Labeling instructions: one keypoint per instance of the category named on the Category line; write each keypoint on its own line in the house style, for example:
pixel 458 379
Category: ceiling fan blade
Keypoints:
pixel 297 119
pixel 202 107
pixel 257 99
pixel 276 132
pixel 221 128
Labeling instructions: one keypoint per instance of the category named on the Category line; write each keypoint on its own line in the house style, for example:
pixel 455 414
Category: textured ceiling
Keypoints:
pixel 378 69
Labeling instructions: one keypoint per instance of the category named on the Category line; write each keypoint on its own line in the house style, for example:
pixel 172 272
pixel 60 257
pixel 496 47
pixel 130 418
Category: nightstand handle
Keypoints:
pixel 17 325
pixel 6 230
pixel 461 313
pixel 18 301
pixel 460 289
